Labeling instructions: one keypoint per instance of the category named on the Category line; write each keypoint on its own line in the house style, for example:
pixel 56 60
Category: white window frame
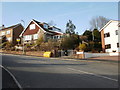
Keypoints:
pixel 35 36
pixel 3 33
pixel 28 37
pixel 8 32
pixel 32 26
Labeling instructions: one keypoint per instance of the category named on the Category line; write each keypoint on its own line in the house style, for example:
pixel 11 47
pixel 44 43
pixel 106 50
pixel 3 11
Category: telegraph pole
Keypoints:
pixel 93 35
pixel 23 38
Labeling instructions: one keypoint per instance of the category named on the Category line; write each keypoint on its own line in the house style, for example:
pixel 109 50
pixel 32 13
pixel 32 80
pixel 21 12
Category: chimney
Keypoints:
pixel 3 26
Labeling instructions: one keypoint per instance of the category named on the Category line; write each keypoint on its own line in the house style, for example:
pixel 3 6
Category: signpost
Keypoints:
pixel 18 40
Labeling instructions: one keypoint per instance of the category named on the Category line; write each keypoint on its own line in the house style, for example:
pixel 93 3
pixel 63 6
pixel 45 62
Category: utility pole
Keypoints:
pixel 93 35
pixel 23 38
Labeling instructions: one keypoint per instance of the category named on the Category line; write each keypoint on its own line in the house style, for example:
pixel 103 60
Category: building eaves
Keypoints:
pixel 107 24
pixel 11 27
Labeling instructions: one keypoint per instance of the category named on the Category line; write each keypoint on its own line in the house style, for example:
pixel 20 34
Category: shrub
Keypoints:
pixel 82 46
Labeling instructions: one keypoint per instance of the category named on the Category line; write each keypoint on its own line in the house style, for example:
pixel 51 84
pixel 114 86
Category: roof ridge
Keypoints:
pixel 12 26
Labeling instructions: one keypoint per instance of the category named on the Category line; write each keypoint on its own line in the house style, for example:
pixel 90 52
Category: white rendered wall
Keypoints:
pixel 113 39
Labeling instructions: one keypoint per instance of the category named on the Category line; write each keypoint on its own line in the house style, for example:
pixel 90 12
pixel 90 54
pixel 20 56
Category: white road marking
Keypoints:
pixel 13 77
pixel 94 74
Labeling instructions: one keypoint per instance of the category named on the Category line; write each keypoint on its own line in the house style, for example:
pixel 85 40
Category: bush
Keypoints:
pixel 70 42
pixel 8 45
pixel 82 46
pixel 49 46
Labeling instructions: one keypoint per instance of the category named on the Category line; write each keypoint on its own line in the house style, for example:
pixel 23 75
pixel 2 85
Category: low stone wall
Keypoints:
pixel 91 55
pixel 35 53
pixel 80 56
pixel 31 53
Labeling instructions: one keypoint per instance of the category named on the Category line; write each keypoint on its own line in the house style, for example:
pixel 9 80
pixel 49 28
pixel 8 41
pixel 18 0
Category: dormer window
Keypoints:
pixel 32 26
pixel 54 29
pixel 45 26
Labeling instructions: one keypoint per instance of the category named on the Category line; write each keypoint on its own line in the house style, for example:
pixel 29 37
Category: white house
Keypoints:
pixel 110 36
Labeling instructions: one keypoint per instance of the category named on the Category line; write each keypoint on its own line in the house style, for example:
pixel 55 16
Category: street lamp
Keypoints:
pixel 23 38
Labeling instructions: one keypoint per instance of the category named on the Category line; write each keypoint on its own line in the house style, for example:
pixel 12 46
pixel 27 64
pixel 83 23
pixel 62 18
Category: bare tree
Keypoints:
pixel 98 22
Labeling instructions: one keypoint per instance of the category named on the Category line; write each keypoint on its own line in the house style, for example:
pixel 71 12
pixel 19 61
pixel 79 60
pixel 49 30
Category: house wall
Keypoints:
pixel 37 31
pixel 40 31
pixel 16 32
pixel 113 39
pixel 103 41
pixel 30 32
pixel 10 35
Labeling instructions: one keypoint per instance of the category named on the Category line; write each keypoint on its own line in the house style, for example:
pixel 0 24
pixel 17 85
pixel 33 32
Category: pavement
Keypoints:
pixel 38 72
pixel 115 59
pixel 107 58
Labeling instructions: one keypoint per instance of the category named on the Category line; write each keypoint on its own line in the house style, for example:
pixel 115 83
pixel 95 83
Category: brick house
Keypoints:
pixel 110 35
pixel 36 29
pixel 11 33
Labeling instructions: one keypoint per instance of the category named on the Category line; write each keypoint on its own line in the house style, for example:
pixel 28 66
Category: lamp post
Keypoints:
pixel 23 38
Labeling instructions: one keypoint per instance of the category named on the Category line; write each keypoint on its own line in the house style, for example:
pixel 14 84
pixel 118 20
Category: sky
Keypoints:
pixel 59 12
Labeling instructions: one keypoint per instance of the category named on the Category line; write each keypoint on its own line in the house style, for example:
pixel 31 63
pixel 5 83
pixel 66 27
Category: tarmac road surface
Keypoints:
pixel 38 72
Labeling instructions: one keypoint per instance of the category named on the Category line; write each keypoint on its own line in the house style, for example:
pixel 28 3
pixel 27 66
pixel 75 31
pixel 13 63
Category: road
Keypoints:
pixel 38 72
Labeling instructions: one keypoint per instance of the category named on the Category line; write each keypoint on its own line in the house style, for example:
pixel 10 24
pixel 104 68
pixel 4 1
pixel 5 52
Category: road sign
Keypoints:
pixel 18 39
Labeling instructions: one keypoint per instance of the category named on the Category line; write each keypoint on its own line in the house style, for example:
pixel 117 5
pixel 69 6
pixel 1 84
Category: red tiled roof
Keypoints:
pixel 39 26
pixel 10 27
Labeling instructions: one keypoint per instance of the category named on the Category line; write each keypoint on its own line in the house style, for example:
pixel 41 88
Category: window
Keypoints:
pixel 113 50
pixel 56 37
pixel 3 33
pixel 54 29
pixel 118 45
pixel 108 46
pixel 107 34
pixel 45 26
pixel 32 26
pixel 116 32
pixel 8 32
pixel 35 36
pixel 27 37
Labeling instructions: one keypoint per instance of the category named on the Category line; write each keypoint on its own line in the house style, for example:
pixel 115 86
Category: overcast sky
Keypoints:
pixel 60 12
